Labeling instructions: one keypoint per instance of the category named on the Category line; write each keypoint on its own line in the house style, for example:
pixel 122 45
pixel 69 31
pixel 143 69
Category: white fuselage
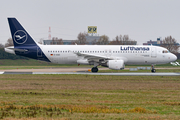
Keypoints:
pixel 141 55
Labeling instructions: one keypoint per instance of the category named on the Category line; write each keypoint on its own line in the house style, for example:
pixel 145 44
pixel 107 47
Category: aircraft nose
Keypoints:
pixel 173 57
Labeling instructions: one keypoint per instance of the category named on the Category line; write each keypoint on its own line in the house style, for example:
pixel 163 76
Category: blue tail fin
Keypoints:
pixel 24 45
pixel 19 35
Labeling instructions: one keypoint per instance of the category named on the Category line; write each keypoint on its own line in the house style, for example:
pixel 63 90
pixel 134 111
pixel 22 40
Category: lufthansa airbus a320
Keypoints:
pixel 112 56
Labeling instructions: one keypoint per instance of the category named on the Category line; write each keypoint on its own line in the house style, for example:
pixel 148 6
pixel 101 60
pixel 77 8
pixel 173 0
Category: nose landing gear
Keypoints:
pixel 153 70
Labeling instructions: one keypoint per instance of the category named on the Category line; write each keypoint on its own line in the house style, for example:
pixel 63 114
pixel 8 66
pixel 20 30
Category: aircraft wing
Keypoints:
pixel 93 57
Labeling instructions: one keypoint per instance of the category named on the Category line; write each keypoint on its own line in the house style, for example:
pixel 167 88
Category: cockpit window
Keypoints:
pixel 165 51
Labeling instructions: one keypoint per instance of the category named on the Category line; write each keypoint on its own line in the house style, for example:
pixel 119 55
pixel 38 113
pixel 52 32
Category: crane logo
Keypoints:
pixel 20 37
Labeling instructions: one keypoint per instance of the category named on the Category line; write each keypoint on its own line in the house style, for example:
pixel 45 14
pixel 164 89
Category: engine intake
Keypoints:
pixel 116 64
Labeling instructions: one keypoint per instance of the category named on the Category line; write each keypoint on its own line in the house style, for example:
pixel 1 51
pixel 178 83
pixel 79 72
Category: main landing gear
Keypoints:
pixel 94 69
pixel 153 70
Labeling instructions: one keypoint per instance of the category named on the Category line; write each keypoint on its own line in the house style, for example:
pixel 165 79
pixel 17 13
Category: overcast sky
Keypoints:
pixel 142 20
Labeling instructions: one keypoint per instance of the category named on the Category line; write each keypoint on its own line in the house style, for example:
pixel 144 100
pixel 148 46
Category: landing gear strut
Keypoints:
pixel 153 70
pixel 94 69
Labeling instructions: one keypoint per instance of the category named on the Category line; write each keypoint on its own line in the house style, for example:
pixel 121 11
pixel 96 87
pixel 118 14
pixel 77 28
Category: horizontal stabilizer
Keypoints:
pixel 12 50
pixel 19 50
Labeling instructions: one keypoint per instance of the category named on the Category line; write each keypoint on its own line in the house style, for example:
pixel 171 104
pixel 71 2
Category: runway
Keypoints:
pixel 90 73
pixel 114 74
pixel 82 71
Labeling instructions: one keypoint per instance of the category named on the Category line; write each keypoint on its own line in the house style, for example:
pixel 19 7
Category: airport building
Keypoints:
pixel 90 40
pixel 155 43
pixel 54 42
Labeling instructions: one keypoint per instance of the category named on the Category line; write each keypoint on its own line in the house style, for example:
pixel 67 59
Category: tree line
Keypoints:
pixel 168 42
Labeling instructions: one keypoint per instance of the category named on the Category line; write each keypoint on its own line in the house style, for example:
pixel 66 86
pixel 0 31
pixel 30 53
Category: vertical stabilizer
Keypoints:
pixel 19 34
pixel 24 45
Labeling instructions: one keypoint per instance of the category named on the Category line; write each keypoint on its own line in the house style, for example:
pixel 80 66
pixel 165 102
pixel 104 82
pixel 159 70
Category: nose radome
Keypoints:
pixel 174 57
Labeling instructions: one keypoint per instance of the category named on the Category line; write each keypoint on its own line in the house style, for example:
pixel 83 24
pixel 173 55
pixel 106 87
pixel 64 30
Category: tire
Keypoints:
pixel 94 69
pixel 153 70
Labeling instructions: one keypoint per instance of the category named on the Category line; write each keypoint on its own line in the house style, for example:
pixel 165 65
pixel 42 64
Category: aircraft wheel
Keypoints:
pixel 153 70
pixel 94 69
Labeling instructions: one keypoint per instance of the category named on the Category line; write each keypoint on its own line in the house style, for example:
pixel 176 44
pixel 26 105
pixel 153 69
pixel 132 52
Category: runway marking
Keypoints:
pixel 114 74
pixel 90 73
pixel 1 72
pixel 18 73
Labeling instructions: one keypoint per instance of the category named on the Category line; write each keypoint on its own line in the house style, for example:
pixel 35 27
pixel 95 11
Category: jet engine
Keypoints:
pixel 115 64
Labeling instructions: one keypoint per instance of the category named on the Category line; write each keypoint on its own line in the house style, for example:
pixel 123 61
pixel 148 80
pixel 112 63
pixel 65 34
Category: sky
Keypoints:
pixel 142 20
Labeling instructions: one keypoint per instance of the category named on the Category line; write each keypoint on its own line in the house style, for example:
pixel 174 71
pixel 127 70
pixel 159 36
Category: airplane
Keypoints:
pixel 112 56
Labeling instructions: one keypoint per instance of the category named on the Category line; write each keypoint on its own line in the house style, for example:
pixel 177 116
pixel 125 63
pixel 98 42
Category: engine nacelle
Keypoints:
pixel 116 64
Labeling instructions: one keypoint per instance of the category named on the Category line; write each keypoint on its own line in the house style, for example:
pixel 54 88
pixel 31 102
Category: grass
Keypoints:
pixel 89 97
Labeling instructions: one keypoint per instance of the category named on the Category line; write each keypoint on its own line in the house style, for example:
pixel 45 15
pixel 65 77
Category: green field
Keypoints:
pixel 89 97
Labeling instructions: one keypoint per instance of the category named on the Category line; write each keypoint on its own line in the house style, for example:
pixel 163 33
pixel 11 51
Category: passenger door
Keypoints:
pixel 153 52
